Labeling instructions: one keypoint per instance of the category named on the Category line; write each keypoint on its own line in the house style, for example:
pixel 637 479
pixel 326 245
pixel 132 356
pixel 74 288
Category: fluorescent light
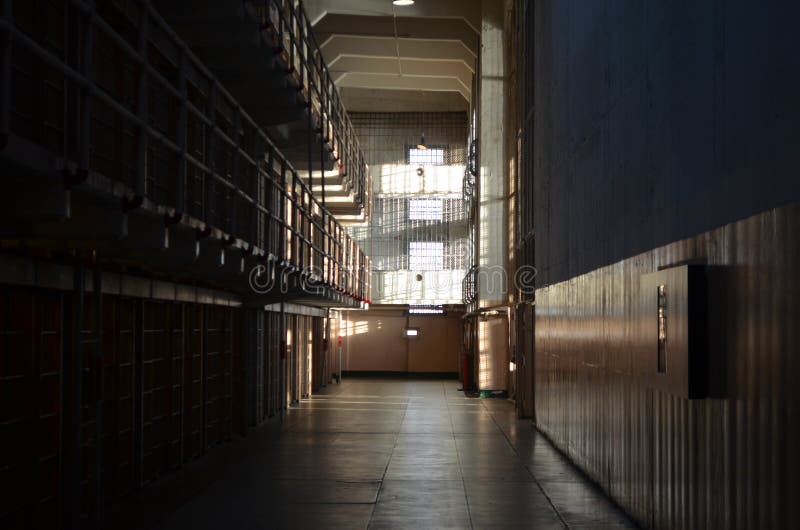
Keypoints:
pixel 411 332
pixel 403 2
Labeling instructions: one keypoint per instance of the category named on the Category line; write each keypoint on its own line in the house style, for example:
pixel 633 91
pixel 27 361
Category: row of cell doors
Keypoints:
pixel 156 384
pixel 104 397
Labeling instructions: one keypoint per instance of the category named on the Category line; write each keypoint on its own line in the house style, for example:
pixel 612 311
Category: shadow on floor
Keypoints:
pixel 379 454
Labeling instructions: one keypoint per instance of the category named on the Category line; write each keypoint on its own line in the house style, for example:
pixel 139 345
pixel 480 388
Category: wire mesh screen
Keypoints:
pixel 418 232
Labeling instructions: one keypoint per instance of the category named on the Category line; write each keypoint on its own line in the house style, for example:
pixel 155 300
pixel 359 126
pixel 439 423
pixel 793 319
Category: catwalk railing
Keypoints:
pixel 118 93
pixel 286 27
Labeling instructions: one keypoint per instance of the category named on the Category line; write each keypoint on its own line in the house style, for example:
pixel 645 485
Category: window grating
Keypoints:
pixel 432 156
pixel 418 235
pixel 426 255
pixel 425 209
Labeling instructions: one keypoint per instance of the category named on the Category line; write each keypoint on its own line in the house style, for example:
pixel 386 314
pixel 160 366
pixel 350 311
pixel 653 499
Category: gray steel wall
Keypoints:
pixel 658 120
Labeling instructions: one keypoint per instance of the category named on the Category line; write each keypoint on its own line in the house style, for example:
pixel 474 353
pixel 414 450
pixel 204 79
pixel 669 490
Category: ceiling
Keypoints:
pixel 388 58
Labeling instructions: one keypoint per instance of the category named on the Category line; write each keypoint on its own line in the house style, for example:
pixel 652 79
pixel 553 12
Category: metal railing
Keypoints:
pixel 118 93
pixel 469 288
pixel 286 28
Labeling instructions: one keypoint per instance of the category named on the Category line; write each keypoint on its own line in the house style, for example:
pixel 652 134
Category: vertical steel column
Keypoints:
pixel 74 490
pixel 295 229
pixel 253 369
pixel 87 93
pixel 292 44
pixel 5 71
pixel 305 73
pixel 204 318
pixel 229 328
pixel 282 9
pixel 283 198
pixel 211 142
pixel 142 110
pixel 323 131
pixel 310 142
pixel 267 201
pixel 326 343
pixel 183 126
pixel 184 390
pixel 237 177
pixel 339 345
pixel 271 385
pixel 283 352
pixel 138 391
pixel 97 288
pixel 290 354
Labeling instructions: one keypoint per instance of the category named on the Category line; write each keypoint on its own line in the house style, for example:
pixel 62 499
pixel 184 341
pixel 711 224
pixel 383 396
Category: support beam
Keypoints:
pixel 357 46
pixel 429 28
pixel 86 223
pixel 405 82
pixel 441 69
pixel 467 10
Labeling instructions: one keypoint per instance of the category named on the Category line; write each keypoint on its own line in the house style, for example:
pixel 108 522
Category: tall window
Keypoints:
pixel 425 255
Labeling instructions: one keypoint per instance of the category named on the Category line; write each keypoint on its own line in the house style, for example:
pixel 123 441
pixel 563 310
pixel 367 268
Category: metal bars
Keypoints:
pixel 179 140
pixel 286 26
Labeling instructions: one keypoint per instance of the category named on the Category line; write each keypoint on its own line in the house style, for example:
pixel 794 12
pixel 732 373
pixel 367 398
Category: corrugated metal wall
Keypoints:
pixel 727 462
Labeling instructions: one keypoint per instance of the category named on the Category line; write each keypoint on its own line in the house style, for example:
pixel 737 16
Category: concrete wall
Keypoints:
pixel 492 180
pixel 373 341
pixel 658 120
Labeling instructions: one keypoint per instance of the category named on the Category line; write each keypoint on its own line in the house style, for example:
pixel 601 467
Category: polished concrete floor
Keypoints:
pixel 384 454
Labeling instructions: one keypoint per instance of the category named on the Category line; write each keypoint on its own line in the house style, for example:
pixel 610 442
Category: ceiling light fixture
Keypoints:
pixel 403 2
pixel 421 144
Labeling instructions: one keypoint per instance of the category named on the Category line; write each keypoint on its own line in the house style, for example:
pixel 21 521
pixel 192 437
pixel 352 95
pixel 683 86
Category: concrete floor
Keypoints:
pixel 382 454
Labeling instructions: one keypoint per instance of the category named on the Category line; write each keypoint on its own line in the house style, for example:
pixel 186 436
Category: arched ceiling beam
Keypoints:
pixel 467 10
pixel 405 82
pixel 356 46
pixel 358 99
pixel 405 27
pixel 414 67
